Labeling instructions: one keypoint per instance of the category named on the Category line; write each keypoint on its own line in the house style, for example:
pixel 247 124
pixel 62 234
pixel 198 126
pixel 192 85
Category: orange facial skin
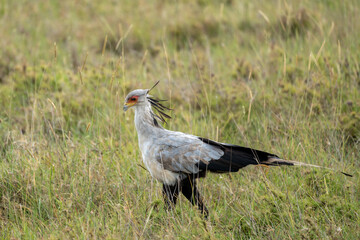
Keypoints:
pixel 133 99
pixel 130 102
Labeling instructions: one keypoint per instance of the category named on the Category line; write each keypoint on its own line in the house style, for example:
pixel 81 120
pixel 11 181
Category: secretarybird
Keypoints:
pixel 177 159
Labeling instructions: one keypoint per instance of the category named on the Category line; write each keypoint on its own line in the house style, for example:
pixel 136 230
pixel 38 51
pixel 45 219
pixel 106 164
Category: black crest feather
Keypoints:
pixel 155 103
pixel 160 108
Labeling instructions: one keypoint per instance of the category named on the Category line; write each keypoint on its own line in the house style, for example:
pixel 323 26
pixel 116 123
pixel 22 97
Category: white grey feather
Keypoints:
pixel 168 155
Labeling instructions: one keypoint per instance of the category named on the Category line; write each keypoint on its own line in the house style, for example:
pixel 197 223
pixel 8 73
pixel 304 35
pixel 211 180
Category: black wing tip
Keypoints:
pixel 252 151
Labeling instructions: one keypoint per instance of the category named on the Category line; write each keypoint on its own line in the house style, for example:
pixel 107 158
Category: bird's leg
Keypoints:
pixel 189 189
pixel 171 194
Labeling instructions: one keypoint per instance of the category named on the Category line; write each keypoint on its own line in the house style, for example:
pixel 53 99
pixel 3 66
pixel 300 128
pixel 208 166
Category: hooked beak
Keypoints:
pixel 127 106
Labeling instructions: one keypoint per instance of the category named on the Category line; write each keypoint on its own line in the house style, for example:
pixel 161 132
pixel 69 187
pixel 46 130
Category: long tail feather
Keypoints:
pixel 279 161
pixel 236 157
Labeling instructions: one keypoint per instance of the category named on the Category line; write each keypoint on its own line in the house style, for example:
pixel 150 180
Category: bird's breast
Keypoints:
pixel 156 169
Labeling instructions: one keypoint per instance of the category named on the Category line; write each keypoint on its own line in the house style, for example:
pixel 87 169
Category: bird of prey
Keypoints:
pixel 177 159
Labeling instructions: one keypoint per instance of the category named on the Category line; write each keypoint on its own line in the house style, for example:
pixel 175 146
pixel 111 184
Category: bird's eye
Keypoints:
pixel 132 99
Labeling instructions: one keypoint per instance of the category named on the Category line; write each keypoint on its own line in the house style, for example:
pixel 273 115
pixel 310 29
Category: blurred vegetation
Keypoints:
pixel 282 76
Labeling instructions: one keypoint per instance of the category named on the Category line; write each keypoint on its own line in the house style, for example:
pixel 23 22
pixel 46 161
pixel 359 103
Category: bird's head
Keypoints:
pixel 135 98
pixel 141 97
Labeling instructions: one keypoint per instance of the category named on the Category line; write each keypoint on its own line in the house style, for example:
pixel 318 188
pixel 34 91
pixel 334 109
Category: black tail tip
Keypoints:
pixel 346 174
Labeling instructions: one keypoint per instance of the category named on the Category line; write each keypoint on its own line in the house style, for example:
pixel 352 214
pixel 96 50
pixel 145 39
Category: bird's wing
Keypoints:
pixel 179 152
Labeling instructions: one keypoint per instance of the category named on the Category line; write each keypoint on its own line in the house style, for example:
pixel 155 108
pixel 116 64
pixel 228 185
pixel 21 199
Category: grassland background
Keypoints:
pixel 282 76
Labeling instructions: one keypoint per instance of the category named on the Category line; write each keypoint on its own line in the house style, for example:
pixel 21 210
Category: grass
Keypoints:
pixel 282 76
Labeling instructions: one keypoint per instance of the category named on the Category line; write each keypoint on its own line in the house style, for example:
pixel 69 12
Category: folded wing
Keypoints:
pixel 192 155
pixel 184 153
pixel 236 157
